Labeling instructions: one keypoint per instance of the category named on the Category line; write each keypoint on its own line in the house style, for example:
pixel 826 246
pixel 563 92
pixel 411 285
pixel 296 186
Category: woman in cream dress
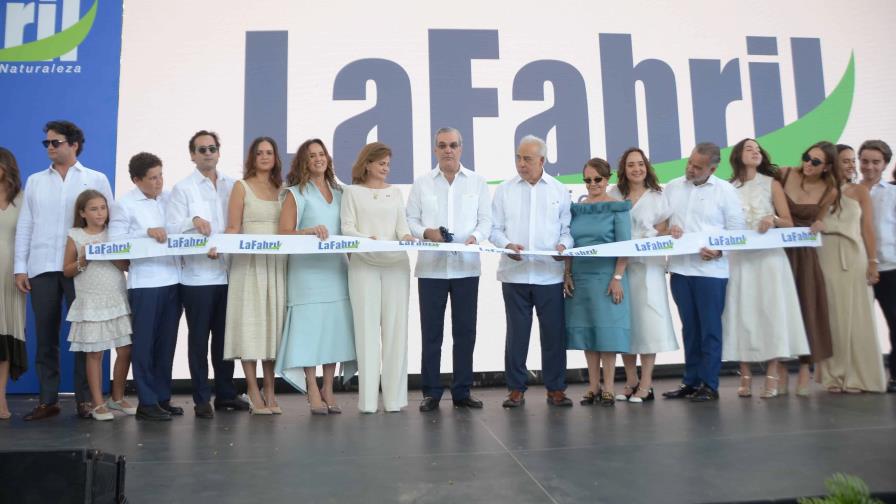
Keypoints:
pixel 849 270
pixel 256 297
pixel 762 320
pixel 651 320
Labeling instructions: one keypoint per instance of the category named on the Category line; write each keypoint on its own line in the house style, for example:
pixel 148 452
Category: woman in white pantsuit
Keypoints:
pixel 378 283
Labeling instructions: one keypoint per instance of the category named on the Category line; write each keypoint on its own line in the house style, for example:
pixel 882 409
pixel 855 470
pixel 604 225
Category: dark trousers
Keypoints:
pixel 434 294
pixel 885 292
pixel 205 307
pixel 47 290
pixel 700 302
pixel 519 299
pixel 155 315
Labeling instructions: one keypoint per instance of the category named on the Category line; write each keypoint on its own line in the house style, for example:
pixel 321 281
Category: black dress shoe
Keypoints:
pixel 891 387
pixel 468 402
pixel 172 410
pixel 204 410
pixel 682 392
pixel 428 404
pixel 235 404
pixel 704 394
pixel 153 413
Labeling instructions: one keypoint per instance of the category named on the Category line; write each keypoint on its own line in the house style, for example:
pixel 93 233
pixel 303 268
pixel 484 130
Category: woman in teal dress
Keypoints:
pixel 318 329
pixel 598 319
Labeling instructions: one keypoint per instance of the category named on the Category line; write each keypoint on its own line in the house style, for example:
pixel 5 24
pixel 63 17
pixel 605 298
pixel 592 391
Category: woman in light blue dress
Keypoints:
pixel 318 329
pixel 598 318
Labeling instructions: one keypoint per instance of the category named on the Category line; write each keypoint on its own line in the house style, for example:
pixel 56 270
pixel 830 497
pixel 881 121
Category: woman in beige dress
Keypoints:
pixel 13 359
pixel 850 267
pixel 256 297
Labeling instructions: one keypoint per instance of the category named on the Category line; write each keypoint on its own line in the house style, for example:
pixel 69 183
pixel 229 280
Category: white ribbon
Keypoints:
pixel 689 243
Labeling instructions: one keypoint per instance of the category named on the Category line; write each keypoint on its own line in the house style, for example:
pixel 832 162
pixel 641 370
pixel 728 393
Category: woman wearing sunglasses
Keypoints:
pixel 652 330
pixel 849 259
pixel 761 321
pixel 597 305
pixel 812 189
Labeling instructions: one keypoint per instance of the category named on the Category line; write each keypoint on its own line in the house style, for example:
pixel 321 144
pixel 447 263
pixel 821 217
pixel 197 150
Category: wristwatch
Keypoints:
pixel 617 277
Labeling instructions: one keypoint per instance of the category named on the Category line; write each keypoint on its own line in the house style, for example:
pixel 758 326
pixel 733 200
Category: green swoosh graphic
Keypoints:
pixel 54 45
pixel 825 122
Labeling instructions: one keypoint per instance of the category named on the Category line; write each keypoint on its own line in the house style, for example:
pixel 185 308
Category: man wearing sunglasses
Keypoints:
pixel 47 214
pixel 449 203
pixel 198 204
pixel 700 201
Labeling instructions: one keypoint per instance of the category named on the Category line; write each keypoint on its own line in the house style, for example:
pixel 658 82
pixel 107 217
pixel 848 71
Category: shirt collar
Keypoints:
pixel 436 172
pixel 77 167
pixel 543 180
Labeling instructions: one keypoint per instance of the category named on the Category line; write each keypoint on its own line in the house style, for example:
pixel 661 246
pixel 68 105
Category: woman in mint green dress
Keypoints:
pixel 318 329
pixel 598 319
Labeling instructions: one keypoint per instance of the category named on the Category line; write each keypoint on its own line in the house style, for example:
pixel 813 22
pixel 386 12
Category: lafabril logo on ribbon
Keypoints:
pixel 109 248
pixel 260 245
pixel 183 242
pixel 665 244
pixel 726 241
pixel 48 44
pixel 799 236
pixel 338 245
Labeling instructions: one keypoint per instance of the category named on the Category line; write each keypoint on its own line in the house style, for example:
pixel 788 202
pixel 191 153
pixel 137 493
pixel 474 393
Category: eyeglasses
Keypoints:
pixel 54 143
pixel 204 149
pixel 814 161
pixel 596 180
pixel 452 145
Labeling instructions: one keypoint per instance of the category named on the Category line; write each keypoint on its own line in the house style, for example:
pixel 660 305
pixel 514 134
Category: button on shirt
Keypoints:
pixel 537 217
pixel 197 196
pixel 132 215
pixel 883 197
pixel 48 212
pixel 711 206
pixel 463 206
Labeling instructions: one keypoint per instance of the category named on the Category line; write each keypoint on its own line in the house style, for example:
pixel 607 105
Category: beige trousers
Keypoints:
pixel 379 296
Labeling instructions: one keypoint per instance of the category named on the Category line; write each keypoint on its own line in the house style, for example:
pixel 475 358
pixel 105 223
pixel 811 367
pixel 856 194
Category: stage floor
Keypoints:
pixel 665 451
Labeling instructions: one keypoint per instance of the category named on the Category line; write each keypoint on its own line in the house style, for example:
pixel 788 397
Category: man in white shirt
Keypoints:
pixel 700 201
pixel 874 156
pixel 46 216
pixel 531 212
pixel 198 204
pixel 449 203
pixel 152 288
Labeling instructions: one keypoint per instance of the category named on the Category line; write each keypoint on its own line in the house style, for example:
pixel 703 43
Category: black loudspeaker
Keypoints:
pixel 61 476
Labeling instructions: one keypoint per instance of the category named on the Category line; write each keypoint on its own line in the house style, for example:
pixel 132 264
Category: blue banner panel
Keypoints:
pixel 59 60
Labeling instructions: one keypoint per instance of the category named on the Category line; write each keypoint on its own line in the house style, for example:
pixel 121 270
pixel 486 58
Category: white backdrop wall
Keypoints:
pixel 184 68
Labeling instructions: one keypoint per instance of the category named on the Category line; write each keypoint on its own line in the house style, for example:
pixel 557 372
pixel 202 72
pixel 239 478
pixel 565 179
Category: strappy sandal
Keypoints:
pixel 746 386
pixel 607 398
pixel 769 392
pixel 627 392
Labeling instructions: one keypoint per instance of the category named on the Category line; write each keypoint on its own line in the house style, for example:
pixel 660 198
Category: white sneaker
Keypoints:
pixel 116 405
pixel 101 416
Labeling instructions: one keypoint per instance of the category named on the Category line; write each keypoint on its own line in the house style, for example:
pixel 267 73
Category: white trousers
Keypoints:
pixel 379 296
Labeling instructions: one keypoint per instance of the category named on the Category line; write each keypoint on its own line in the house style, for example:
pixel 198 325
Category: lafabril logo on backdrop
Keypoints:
pixel 40 20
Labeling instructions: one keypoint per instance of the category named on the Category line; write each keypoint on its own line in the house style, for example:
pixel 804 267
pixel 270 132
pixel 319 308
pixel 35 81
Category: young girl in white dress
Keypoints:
pixel 100 315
